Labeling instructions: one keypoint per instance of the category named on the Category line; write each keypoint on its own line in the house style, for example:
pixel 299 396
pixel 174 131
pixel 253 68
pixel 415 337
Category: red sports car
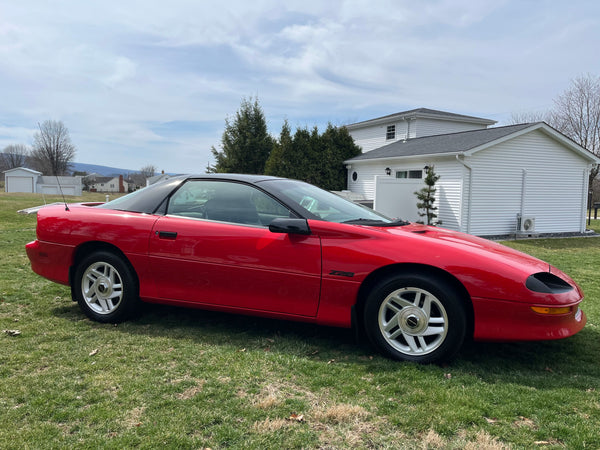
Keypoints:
pixel 285 249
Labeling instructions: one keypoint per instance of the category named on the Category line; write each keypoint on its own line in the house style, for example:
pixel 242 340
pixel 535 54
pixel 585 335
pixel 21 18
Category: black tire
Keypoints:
pixel 415 317
pixel 105 287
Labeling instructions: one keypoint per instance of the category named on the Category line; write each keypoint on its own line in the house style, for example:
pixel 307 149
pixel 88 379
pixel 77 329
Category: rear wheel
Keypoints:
pixel 105 287
pixel 415 317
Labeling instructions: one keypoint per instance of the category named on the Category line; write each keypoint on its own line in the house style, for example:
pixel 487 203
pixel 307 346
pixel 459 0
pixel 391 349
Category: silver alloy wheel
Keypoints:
pixel 413 321
pixel 102 287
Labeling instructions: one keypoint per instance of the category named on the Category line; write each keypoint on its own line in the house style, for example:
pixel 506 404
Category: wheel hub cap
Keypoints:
pixel 412 321
pixel 104 287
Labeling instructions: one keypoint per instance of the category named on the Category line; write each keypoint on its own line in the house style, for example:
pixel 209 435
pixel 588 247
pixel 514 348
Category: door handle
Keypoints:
pixel 167 235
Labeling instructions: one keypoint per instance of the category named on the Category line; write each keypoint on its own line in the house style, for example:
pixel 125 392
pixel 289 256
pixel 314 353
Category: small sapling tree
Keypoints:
pixel 426 198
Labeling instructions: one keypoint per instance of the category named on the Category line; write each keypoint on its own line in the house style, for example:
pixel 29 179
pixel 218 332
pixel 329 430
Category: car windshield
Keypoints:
pixel 316 203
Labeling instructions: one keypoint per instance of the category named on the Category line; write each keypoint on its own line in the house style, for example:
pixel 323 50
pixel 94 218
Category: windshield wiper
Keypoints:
pixel 376 223
pixel 362 221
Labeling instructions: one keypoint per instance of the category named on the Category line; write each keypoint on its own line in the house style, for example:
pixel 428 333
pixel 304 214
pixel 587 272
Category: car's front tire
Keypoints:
pixel 105 287
pixel 415 317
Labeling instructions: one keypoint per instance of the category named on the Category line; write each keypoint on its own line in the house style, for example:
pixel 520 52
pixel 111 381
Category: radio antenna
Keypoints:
pixel 55 171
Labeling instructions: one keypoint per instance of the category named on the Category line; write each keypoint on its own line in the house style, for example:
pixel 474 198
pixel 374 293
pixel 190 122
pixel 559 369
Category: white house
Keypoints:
pixel 108 184
pixel 22 179
pixel 489 177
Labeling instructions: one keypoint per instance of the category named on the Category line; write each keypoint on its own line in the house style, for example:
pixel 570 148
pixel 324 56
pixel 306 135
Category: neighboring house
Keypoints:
pixel 108 184
pixel 155 179
pixel 489 177
pixel 22 179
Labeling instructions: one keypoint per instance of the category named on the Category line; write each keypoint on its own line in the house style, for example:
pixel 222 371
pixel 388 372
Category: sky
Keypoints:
pixel 147 82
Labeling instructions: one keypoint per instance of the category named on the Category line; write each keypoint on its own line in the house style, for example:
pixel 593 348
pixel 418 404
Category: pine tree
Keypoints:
pixel 246 143
pixel 426 198
pixel 338 147
pixel 278 163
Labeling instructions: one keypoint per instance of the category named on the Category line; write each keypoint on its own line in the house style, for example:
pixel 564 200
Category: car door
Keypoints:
pixel 214 247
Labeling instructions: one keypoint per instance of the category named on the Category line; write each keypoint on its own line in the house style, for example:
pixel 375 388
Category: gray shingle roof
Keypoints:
pixel 425 112
pixel 441 143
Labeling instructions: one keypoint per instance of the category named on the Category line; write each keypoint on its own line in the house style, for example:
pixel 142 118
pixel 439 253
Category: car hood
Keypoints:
pixel 473 245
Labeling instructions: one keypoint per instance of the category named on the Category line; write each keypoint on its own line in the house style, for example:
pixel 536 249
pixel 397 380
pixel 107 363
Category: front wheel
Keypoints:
pixel 105 287
pixel 415 318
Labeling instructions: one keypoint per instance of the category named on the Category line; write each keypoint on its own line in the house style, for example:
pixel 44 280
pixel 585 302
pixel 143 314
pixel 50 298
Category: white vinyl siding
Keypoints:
pixel 554 182
pixel 448 194
pixel 449 190
pixel 432 127
pixel 375 136
pixel 365 181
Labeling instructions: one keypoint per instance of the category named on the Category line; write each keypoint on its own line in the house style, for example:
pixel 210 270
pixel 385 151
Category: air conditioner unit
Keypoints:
pixel 525 224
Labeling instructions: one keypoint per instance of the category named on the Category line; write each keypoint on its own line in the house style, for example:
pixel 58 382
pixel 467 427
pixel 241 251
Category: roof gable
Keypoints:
pixel 24 169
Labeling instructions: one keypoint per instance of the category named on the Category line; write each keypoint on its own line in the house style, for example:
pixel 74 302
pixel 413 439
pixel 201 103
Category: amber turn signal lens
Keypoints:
pixel 551 310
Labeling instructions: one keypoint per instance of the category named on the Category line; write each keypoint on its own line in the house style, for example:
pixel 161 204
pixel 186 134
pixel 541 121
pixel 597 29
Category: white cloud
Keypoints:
pixel 117 72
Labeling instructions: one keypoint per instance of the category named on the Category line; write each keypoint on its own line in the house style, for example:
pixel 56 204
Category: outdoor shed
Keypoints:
pixel 26 180
pixel 21 179
pixel 526 178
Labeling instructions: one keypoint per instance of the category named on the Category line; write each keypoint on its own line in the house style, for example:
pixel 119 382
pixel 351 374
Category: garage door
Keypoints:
pixel 19 184
pixel 55 190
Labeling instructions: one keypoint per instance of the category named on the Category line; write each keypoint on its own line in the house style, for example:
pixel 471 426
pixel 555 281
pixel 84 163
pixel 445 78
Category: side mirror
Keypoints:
pixel 289 226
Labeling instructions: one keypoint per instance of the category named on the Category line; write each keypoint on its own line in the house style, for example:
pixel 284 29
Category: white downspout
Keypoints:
pixel 584 197
pixel 523 191
pixel 470 197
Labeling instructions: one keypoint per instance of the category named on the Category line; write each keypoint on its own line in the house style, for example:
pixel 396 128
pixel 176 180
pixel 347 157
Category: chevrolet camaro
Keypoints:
pixel 285 249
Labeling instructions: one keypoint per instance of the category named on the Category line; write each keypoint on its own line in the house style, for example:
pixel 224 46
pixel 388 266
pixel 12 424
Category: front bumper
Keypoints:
pixel 501 321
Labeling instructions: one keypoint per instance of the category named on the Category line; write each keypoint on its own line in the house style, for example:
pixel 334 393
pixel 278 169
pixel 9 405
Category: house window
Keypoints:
pixel 390 132
pixel 413 174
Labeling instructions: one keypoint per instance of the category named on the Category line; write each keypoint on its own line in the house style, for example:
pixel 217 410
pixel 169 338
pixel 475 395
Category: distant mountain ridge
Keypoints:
pixel 105 171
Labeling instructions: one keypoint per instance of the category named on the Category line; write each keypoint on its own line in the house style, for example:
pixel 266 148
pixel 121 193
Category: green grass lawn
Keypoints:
pixel 178 378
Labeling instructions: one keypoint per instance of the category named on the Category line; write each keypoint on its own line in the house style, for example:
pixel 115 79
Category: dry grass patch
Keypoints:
pixel 134 417
pixel 269 397
pixel 480 441
pixel 270 425
pixel 192 391
pixel 342 414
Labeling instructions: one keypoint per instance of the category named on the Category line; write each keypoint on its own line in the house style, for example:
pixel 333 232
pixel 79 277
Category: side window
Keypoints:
pixel 225 201
pixel 390 132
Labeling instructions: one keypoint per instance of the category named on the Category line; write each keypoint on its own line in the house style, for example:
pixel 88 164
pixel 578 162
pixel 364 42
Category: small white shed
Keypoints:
pixel 489 178
pixel 31 181
pixel 21 179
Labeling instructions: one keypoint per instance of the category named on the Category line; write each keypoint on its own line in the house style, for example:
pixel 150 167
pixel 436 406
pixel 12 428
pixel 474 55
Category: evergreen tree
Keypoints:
pixel 299 157
pixel 278 163
pixel 426 198
pixel 246 143
pixel 338 147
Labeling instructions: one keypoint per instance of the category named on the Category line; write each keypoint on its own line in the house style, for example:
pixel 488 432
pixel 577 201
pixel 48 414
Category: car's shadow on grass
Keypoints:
pixel 536 364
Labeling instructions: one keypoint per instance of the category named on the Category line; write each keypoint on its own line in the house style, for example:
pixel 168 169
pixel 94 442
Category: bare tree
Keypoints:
pixel 13 156
pixel 148 171
pixel 576 114
pixel 528 117
pixel 52 148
